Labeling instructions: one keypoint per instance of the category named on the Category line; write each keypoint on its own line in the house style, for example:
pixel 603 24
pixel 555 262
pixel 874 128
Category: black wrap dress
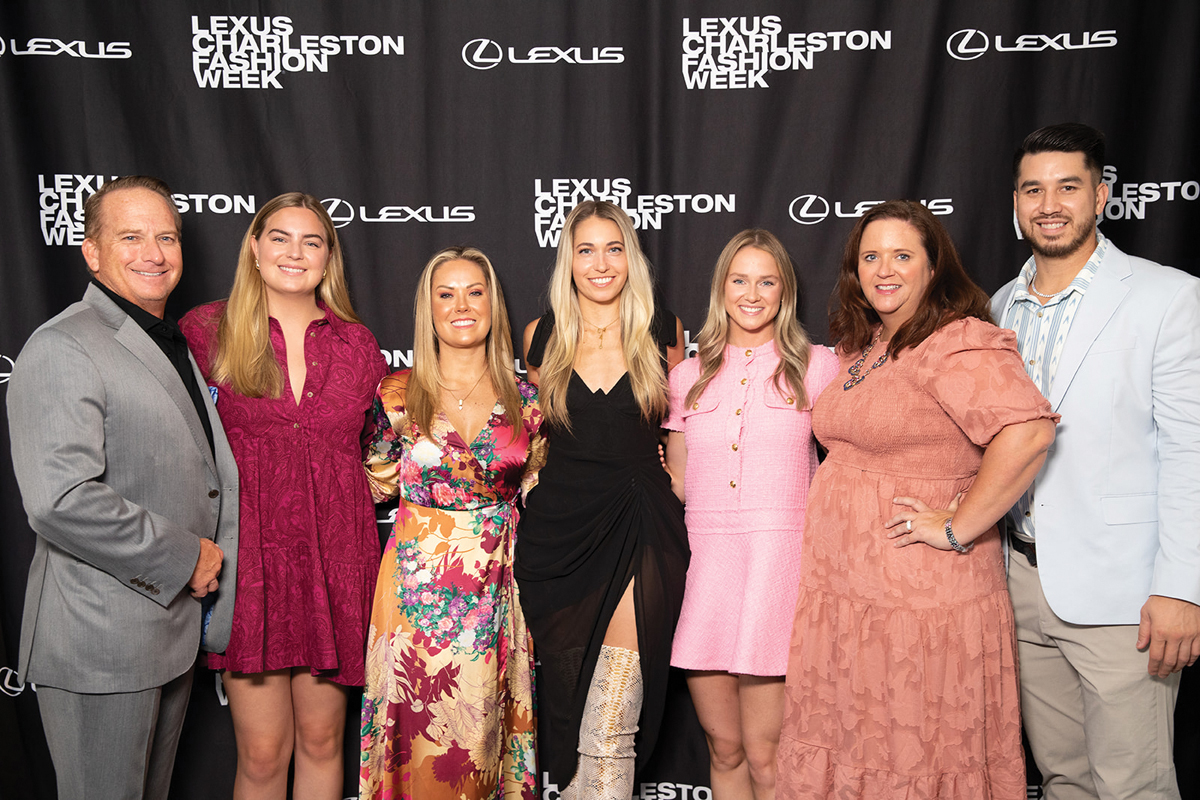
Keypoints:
pixel 602 514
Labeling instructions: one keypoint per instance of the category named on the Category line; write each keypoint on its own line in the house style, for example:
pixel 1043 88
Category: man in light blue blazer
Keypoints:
pixel 131 488
pixel 1104 548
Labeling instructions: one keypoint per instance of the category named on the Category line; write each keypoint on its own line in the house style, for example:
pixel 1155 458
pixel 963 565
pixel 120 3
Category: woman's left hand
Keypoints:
pixel 920 523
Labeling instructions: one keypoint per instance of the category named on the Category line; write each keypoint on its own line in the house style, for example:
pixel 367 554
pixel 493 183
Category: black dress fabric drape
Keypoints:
pixel 602 514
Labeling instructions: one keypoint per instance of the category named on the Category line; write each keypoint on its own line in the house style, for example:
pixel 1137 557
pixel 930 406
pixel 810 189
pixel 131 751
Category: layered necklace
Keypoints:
pixel 469 392
pixel 600 330
pixel 856 371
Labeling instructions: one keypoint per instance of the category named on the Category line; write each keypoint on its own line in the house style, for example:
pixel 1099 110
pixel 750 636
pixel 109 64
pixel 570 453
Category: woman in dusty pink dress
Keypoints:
pixel 293 373
pixel 742 449
pixel 902 677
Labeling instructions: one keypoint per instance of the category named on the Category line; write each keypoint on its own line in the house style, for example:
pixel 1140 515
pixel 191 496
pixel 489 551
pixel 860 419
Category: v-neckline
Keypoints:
pixel 462 439
pixel 600 392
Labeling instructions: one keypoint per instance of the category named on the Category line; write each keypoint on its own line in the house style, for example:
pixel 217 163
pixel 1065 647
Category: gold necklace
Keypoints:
pixel 468 394
pixel 600 330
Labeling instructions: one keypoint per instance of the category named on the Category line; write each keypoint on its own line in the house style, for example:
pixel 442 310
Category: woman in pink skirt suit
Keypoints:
pixel 742 443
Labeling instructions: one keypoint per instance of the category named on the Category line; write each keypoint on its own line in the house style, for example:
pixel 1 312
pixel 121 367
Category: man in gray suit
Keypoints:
pixel 1104 566
pixel 131 488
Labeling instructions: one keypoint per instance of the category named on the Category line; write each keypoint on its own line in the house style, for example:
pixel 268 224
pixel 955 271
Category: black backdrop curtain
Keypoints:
pixel 428 124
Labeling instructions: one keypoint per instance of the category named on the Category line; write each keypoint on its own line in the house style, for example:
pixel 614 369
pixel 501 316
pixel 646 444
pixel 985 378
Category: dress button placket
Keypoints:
pixel 737 422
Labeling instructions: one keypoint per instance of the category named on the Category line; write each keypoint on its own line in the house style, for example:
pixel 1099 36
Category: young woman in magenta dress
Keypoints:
pixel 293 372
pixel 601 550
pixel 448 707
pixel 902 676
pixel 741 449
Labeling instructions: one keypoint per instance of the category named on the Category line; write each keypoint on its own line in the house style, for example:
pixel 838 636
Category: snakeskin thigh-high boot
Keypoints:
pixel 610 720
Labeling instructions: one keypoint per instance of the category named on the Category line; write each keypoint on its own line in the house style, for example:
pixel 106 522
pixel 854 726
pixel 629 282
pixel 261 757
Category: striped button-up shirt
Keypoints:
pixel 1041 333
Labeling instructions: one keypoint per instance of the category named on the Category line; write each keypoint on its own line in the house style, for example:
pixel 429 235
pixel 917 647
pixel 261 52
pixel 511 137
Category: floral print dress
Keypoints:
pixel 448 706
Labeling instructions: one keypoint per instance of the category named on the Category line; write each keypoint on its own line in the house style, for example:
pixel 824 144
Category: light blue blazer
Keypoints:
pixel 1117 503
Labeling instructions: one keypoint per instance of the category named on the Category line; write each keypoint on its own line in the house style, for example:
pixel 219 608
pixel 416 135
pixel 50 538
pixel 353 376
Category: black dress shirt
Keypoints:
pixel 166 334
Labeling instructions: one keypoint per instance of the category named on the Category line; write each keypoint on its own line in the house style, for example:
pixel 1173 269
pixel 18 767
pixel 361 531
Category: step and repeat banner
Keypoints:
pixel 422 125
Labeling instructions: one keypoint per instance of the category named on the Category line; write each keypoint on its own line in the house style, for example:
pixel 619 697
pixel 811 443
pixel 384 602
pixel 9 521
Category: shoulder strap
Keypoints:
pixel 541 336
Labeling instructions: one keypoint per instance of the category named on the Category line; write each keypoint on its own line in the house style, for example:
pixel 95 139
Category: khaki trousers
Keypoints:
pixel 1098 724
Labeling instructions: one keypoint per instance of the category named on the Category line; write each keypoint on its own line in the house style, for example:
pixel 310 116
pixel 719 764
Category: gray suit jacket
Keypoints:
pixel 118 481
pixel 1116 506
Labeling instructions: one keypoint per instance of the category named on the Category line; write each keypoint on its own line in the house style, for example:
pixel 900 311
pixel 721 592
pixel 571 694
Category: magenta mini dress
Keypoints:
pixel 308 550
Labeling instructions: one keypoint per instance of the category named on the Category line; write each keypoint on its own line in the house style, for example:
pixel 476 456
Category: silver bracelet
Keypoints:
pixel 954 542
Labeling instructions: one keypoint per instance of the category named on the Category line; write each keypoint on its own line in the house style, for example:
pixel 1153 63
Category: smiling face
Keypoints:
pixel 598 265
pixel 462 310
pixel 292 253
pixel 136 252
pixel 753 289
pixel 894 271
pixel 1057 201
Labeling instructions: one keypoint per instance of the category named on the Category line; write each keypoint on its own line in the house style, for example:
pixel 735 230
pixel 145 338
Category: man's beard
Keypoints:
pixel 1083 232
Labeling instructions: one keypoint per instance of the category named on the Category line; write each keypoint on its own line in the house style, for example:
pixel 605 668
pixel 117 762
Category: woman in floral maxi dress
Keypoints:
pixel 448 706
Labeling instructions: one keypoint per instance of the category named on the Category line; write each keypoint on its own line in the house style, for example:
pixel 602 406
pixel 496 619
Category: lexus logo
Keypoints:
pixel 482 53
pixel 341 212
pixel 5 372
pixel 10 685
pixel 967 44
pixel 809 209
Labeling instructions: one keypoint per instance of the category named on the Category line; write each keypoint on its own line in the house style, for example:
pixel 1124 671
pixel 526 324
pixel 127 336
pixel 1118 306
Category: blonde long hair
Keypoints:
pixel 791 342
pixel 642 358
pixel 245 358
pixel 422 399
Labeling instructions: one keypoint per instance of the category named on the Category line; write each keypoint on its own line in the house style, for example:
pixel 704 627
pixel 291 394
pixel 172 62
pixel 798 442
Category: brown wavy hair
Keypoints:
pixel 951 294
pixel 245 357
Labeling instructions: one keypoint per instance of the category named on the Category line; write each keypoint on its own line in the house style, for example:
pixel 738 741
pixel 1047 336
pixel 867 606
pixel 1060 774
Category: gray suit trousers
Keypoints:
pixel 118 746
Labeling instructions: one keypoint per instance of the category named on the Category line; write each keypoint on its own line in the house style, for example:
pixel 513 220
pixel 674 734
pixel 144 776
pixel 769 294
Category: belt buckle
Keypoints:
pixel 1027 549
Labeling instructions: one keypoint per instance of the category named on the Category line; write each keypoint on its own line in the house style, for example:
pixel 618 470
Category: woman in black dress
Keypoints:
pixel 601 549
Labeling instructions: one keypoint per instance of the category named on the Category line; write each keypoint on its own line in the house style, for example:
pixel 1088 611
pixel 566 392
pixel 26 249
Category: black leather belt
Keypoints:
pixel 1027 549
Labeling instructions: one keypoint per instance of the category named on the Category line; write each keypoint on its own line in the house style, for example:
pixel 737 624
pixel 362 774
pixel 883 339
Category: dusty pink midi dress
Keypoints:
pixel 902 678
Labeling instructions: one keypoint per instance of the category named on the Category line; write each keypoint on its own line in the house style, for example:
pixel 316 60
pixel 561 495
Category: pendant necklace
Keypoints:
pixel 468 394
pixel 856 367
pixel 599 330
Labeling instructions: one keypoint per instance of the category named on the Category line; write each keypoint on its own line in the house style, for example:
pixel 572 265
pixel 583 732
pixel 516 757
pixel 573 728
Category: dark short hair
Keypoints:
pixel 93 207
pixel 1068 137
pixel 951 294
